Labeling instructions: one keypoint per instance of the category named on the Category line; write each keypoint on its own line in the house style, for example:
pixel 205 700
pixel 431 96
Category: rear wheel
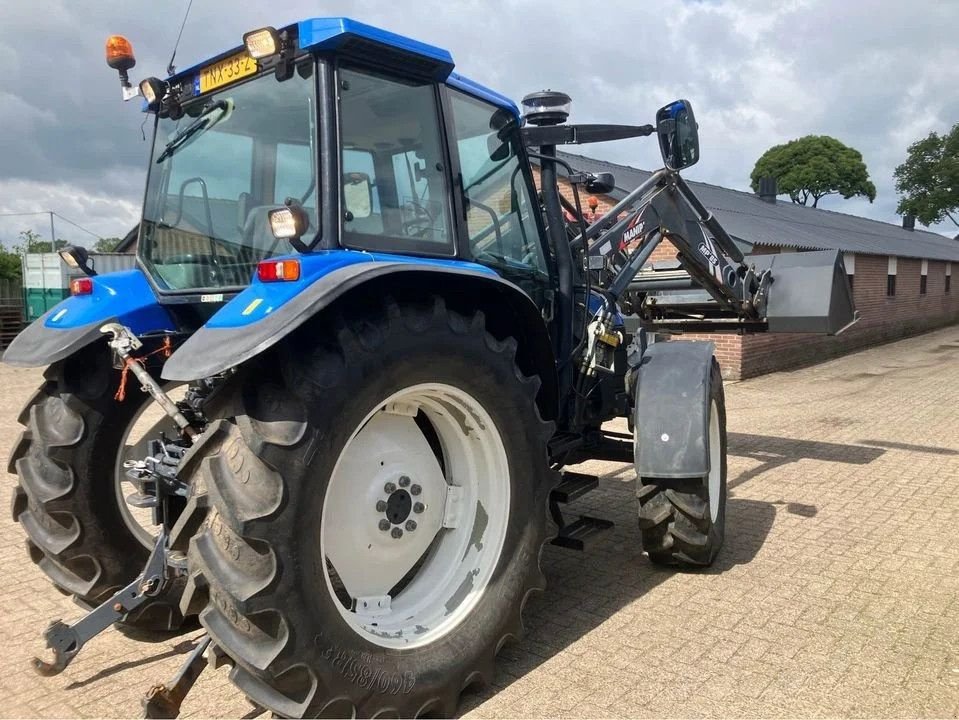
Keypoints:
pixel 378 510
pixel 683 521
pixel 69 496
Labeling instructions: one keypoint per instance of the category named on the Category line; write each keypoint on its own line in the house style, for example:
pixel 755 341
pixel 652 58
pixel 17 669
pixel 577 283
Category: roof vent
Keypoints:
pixel 909 221
pixel 768 189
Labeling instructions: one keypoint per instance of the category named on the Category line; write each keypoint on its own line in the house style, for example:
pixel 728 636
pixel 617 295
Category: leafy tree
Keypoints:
pixel 9 264
pixel 106 244
pixel 929 178
pixel 813 167
pixel 30 242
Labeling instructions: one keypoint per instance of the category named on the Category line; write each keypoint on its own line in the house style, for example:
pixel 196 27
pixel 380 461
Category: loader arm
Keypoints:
pixel 714 287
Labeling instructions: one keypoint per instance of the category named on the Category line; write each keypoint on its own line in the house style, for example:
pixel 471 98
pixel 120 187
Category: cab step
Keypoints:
pixel 573 535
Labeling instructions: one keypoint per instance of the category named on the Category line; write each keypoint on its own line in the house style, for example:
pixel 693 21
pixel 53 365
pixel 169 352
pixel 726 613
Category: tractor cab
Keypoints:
pixel 330 134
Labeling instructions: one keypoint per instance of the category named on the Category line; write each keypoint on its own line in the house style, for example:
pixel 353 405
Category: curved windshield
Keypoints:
pixel 216 173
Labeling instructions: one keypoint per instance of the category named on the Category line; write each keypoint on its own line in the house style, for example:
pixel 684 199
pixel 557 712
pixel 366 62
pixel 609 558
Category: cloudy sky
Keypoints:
pixel 875 74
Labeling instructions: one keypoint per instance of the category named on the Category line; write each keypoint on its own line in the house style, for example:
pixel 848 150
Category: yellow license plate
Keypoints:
pixel 226 71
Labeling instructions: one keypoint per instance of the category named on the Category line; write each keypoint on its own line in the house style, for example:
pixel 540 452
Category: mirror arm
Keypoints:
pixel 537 136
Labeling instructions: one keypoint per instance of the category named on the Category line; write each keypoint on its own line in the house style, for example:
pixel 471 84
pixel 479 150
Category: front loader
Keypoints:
pixel 370 348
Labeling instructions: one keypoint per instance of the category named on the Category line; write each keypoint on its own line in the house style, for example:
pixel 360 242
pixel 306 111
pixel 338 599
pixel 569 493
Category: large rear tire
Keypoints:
pixel 67 500
pixel 683 522
pixel 327 598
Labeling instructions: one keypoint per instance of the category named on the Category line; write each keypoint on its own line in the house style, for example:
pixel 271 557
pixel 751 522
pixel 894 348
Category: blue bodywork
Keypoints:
pixel 261 299
pixel 331 34
pixel 125 295
pixel 128 298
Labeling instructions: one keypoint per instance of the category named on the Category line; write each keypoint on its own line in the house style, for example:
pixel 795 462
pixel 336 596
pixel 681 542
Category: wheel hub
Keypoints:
pixel 398 507
pixel 413 541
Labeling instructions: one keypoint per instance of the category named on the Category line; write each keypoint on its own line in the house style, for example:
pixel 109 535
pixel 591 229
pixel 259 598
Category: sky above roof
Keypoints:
pixel 876 75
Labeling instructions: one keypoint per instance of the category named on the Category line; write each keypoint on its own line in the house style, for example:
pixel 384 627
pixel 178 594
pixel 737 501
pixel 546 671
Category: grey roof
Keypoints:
pixel 785 224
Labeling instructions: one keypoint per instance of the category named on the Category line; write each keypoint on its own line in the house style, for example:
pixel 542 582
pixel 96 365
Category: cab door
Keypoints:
pixel 499 226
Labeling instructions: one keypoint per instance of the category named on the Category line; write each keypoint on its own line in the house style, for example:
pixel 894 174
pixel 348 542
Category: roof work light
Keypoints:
pixel 262 43
pixel 152 89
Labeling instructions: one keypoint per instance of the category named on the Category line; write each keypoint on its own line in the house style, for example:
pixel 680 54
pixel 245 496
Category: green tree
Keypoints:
pixel 106 244
pixel 9 264
pixel 929 178
pixel 812 167
pixel 31 242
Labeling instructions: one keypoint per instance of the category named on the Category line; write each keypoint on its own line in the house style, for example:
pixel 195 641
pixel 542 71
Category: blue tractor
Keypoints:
pixel 370 347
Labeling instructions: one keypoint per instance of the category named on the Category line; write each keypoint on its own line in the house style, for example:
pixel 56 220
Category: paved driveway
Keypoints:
pixel 837 592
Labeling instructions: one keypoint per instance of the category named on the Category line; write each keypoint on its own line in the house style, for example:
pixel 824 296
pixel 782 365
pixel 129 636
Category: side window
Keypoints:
pixel 502 229
pixel 395 192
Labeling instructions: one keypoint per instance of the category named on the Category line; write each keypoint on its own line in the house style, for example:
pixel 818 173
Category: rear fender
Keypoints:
pixel 265 313
pixel 671 410
pixel 124 297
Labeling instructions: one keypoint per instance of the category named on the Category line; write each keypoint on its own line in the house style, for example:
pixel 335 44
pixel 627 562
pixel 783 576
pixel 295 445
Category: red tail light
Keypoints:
pixel 81 286
pixel 278 270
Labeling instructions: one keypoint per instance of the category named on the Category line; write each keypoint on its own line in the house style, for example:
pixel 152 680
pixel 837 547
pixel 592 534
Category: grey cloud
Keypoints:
pixel 878 75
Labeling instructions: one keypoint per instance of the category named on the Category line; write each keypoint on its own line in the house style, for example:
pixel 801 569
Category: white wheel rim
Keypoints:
pixel 715 462
pixel 146 425
pixel 438 571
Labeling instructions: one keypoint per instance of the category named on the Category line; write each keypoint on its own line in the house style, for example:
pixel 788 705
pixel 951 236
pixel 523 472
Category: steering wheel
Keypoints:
pixel 421 224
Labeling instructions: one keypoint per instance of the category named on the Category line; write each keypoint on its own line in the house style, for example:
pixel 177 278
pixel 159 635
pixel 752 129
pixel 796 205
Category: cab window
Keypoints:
pixel 395 195
pixel 499 210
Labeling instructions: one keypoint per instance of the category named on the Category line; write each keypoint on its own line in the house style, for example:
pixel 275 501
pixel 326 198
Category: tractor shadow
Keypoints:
pixel 585 590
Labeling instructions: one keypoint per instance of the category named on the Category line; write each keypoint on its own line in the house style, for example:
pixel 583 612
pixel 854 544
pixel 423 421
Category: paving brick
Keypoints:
pixel 837 593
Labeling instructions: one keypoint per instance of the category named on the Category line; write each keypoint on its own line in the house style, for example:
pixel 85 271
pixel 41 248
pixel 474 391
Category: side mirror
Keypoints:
pixel 358 194
pixel 678 135
pixel 601 184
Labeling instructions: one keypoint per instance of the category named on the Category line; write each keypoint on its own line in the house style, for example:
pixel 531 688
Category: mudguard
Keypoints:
pixel 671 410
pixel 264 313
pixel 124 297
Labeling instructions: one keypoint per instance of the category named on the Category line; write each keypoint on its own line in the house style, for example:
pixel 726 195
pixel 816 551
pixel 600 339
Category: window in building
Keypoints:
pixel 849 260
pixel 948 276
pixel 923 277
pixel 891 277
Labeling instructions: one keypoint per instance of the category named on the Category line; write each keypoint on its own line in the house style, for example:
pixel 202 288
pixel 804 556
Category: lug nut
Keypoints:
pixel 404 481
pixel 418 507
pixel 384 524
pixel 411 525
pixel 389 488
pixel 381 506
pixel 416 490
pixel 397 533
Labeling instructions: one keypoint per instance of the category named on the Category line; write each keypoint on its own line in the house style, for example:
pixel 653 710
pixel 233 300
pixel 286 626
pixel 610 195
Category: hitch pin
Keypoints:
pixel 122 342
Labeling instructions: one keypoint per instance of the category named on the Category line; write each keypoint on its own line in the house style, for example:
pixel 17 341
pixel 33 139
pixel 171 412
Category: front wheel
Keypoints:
pixel 683 521
pixel 379 506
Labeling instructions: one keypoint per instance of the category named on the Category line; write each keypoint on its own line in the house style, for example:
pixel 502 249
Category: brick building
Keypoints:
pixel 901 277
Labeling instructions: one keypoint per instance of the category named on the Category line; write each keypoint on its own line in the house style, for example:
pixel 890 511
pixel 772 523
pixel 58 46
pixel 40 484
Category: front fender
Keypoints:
pixel 671 410
pixel 264 313
pixel 124 297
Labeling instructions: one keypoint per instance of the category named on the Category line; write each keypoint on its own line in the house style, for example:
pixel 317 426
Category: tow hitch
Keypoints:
pixel 158 488
pixel 66 640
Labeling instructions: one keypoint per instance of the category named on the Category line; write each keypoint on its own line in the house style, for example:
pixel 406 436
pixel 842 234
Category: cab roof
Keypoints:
pixel 345 36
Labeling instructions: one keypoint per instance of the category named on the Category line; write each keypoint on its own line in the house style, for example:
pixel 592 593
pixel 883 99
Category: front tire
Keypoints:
pixel 316 587
pixel 683 522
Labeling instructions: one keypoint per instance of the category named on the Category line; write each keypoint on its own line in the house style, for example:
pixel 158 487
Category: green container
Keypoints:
pixel 39 300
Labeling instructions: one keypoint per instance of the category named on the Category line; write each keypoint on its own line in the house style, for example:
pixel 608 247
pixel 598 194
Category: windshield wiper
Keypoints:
pixel 194 128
